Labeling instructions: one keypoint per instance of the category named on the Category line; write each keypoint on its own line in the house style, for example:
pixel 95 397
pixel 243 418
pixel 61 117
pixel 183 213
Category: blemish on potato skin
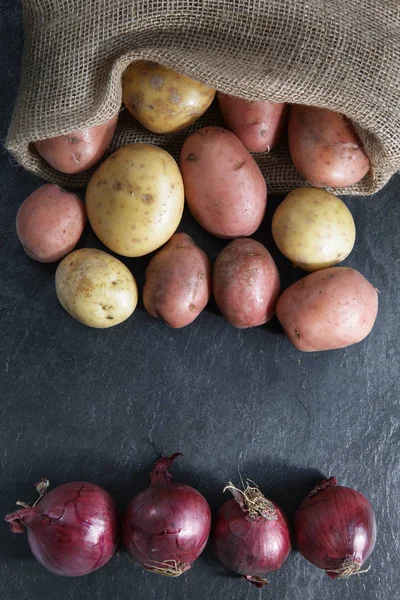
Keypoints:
pixel 147 198
pixel 193 307
pixel 191 157
pixel 174 97
pixel 117 185
pixel 136 101
pixel 156 82
pixel 239 165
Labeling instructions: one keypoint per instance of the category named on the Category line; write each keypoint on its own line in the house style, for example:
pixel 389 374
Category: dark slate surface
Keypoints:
pixel 85 404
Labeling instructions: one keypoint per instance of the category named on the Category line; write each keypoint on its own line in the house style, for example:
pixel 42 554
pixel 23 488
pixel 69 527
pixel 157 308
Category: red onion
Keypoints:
pixel 335 529
pixel 72 530
pixel 251 535
pixel 167 525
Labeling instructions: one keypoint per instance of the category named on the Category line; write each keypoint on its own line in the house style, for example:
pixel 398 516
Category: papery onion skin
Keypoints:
pixel 335 529
pixel 251 546
pixel 166 526
pixel 73 530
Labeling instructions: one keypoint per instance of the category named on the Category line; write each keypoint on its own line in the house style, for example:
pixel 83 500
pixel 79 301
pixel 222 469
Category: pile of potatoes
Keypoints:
pixel 135 201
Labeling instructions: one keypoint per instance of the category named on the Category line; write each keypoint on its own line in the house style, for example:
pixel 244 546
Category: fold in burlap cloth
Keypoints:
pixel 339 54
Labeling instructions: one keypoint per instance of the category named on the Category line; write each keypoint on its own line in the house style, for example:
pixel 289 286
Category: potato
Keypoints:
pixel 313 229
pixel 328 309
pixel 178 282
pixel 246 283
pixel 162 100
pixel 50 222
pixel 325 148
pixel 135 199
pixel 95 288
pixel 79 150
pixel 224 187
pixel 258 125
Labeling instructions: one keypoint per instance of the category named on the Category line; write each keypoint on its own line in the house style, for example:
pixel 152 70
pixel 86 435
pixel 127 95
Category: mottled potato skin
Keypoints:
pixel 135 199
pixel 246 283
pixel 313 229
pixel 258 125
pixel 95 288
pixel 50 222
pixel 78 150
pixel 224 187
pixel 325 148
pixel 328 309
pixel 178 282
pixel 162 100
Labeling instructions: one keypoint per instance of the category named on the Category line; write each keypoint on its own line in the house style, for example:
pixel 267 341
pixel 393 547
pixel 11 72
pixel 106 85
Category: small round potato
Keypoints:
pixel 328 309
pixel 135 199
pixel 246 283
pixel 95 288
pixel 79 150
pixel 162 100
pixel 325 148
pixel 225 189
pixel 178 282
pixel 313 229
pixel 50 222
pixel 258 125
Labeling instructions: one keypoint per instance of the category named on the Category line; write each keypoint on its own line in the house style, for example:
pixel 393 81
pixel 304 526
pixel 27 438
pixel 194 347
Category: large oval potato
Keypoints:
pixel 162 100
pixel 178 282
pixel 258 125
pixel 246 283
pixel 79 150
pixel 224 187
pixel 328 309
pixel 135 199
pixel 95 288
pixel 313 229
pixel 50 222
pixel 324 147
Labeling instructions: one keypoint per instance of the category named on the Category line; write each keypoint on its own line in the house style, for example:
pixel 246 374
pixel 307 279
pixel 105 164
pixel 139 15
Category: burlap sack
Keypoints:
pixel 339 54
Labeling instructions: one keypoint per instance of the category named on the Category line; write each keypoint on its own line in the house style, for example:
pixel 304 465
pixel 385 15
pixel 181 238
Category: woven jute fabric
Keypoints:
pixel 343 55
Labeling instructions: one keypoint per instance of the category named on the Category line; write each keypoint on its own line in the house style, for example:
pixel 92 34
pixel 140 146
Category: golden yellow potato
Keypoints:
pixel 161 99
pixel 134 200
pixel 95 288
pixel 313 229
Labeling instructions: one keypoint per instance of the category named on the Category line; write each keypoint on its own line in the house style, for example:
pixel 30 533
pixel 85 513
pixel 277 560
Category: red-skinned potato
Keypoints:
pixel 224 187
pixel 50 222
pixel 325 148
pixel 78 150
pixel 178 282
pixel 258 125
pixel 246 283
pixel 328 309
